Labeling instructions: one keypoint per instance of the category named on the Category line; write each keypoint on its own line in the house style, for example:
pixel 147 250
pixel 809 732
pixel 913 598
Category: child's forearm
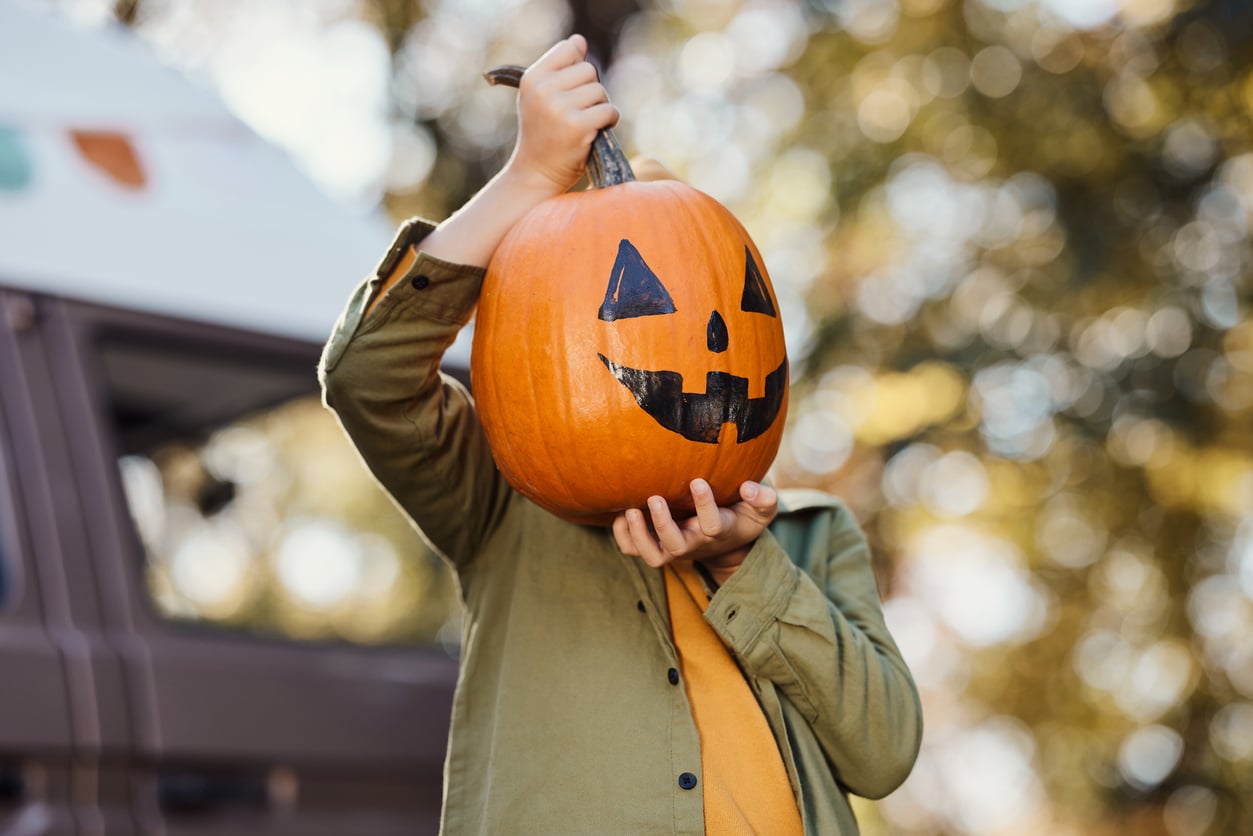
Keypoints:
pixel 471 234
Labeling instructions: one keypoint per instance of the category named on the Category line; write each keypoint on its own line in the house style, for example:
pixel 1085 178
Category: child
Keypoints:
pixel 727 673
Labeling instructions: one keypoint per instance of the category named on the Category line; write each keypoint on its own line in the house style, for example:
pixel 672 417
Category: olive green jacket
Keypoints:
pixel 565 719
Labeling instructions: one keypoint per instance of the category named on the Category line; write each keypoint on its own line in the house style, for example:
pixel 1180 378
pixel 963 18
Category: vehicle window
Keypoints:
pixel 254 511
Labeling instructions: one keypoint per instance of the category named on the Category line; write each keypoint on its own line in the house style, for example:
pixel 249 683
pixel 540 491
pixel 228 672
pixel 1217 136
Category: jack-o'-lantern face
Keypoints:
pixel 627 342
pixel 634 291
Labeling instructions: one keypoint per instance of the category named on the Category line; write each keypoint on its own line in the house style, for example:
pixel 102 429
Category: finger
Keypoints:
pixel 708 515
pixel 603 115
pixel 622 536
pixel 669 536
pixel 646 546
pixel 578 74
pixel 564 53
pixel 585 96
pixel 763 499
pixel 556 85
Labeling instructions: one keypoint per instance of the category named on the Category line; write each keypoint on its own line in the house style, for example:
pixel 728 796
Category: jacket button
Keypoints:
pixel 687 780
pixel 639 605
pixel 420 281
pixel 673 676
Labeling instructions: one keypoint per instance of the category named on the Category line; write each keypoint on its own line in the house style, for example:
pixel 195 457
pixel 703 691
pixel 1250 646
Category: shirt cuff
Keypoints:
pixel 431 288
pixel 754 596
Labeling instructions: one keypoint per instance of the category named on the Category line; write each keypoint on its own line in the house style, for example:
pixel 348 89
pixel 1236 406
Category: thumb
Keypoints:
pixel 762 498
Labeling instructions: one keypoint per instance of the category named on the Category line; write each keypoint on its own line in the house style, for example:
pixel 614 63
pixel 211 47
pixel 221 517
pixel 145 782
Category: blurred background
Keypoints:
pixel 1011 239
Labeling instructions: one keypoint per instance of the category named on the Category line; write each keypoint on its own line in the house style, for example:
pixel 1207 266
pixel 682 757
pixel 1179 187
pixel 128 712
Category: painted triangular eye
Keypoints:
pixel 634 289
pixel 756 298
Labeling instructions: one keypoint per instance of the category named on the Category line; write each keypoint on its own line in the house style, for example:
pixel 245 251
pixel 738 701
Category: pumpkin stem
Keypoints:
pixel 606 164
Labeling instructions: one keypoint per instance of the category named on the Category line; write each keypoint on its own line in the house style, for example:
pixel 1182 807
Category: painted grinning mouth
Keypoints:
pixel 699 416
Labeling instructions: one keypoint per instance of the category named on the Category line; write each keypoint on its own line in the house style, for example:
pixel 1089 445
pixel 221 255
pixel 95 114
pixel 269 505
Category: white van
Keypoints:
pixel 211 620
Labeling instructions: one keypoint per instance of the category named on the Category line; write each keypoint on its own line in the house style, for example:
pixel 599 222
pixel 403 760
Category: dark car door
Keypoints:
pixel 56 719
pixel 267 690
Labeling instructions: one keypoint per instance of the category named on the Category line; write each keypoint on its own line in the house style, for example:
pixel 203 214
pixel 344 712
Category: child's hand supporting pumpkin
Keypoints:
pixel 719 538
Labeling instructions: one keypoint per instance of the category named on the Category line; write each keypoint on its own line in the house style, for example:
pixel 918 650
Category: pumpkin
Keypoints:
pixel 627 341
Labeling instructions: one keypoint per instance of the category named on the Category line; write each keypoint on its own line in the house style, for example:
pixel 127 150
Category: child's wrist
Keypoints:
pixel 528 184
pixel 721 567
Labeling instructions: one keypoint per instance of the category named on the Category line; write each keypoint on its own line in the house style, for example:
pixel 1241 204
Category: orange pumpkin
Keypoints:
pixel 627 341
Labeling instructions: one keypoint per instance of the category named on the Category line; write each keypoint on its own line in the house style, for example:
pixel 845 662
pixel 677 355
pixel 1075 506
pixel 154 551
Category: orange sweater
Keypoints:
pixel 746 788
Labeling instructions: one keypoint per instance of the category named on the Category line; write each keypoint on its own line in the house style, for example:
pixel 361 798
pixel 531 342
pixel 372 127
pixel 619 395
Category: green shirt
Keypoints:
pixel 565 719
